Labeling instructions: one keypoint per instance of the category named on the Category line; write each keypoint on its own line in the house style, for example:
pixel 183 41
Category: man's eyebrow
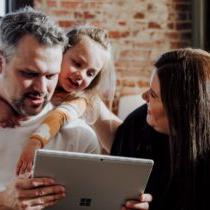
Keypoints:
pixel 29 70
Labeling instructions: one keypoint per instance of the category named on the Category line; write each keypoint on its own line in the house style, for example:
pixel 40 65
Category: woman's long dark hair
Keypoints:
pixel 184 77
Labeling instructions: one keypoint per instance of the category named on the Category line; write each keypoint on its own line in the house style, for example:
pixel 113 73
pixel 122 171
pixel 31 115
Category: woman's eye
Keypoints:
pixel 152 94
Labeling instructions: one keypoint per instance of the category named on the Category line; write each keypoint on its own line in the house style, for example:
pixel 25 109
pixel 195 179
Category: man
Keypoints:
pixel 31 48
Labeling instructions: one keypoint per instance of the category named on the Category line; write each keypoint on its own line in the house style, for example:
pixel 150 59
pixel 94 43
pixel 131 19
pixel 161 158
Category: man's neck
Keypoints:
pixel 8 116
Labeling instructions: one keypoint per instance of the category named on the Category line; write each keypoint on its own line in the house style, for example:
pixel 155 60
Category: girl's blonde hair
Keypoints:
pixel 104 83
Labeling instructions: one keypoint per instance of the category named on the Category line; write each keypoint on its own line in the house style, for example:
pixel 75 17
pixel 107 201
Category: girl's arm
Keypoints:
pixel 106 126
pixel 68 110
pixel 50 126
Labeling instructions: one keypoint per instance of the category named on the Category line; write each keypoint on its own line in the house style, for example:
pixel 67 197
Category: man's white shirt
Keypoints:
pixel 75 136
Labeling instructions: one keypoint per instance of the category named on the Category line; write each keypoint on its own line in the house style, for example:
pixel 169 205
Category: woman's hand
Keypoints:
pixel 142 203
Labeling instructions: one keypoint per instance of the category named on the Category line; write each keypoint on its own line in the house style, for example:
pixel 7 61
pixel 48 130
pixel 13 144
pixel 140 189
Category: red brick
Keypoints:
pixel 122 64
pixel 118 34
pixel 139 15
pixel 88 15
pixel 95 4
pixel 150 7
pixel 70 5
pixel 133 54
pixel 38 2
pixel 78 15
pixel 154 25
pixel 51 3
pixel 172 35
pixel 170 25
pixel 128 83
pixel 98 23
pixel 66 23
pixel 143 83
pixel 122 22
pixel 59 12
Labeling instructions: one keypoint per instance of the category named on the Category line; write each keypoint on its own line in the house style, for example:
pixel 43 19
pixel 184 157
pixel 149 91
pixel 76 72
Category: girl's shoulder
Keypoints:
pixel 60 96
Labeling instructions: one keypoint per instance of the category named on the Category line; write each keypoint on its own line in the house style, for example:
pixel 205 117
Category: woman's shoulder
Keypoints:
pixel 137 116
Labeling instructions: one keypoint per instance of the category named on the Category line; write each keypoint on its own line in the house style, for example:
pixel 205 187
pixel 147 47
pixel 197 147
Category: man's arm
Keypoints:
pixel 27 193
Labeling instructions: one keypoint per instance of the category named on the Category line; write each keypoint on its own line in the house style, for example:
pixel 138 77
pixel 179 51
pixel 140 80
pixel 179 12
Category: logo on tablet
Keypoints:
pixel 85 202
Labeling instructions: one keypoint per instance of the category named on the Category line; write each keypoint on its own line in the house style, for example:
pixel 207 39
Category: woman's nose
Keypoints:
pixel 145 96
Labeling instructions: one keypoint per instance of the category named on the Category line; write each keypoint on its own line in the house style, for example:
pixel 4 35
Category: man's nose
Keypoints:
pixel 40 85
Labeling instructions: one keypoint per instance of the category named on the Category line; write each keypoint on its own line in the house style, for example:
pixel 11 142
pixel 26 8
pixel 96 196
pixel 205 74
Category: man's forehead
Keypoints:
pixel 31 54
pixel 30 44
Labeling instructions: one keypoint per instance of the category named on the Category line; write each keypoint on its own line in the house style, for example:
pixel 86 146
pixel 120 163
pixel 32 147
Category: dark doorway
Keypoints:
pixel 13 5
pixel 207 26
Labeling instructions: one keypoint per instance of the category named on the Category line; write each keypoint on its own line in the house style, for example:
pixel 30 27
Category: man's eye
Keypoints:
pixel 28 74
pixel 51 76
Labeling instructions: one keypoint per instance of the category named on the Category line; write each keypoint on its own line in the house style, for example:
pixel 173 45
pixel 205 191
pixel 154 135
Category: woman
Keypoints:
pixel 174 130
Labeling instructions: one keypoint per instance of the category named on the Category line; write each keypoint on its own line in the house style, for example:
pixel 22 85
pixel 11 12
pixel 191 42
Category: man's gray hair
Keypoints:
pixel 14 26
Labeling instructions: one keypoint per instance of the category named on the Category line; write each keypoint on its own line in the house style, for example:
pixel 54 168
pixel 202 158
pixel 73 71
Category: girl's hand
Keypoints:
pixel 25 161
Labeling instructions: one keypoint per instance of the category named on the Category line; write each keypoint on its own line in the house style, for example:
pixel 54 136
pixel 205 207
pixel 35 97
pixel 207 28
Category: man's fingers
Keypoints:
pixel 42 191
pixel 44 200
pixel 34 182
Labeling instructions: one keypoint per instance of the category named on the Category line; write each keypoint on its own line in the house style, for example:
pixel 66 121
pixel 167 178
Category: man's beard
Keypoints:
pixel 21 108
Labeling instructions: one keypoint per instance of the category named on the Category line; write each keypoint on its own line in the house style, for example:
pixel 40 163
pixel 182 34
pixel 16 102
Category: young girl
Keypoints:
pixel 87 72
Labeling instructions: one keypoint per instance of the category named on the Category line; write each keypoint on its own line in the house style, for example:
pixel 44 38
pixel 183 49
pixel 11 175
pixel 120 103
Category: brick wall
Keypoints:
pixel 140 30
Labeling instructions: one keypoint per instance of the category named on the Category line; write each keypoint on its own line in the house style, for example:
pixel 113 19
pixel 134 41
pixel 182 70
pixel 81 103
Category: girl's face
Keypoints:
pixel 81 64
pixel 156 115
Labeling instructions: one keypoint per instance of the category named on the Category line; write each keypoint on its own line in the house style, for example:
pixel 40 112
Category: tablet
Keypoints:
pixel 93 182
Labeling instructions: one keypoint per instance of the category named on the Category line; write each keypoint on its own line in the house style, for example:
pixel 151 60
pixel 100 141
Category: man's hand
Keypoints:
pixel 142 203
pixel 32 194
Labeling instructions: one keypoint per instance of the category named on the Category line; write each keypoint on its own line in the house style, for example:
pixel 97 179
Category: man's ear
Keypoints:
pixel 2 61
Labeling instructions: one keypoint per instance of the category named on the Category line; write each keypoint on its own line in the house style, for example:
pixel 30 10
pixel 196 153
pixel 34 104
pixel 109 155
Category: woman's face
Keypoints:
pixel 81 64
pixel 156 115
